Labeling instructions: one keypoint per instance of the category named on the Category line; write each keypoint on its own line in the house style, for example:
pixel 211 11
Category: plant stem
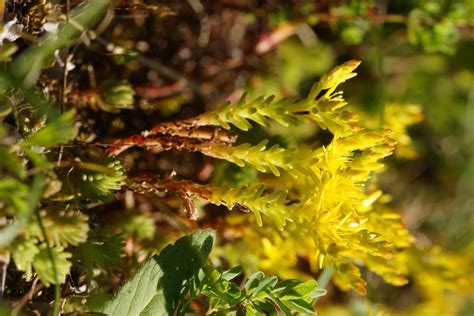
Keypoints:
pixel 324 278
pixel 35 288
pixel 378 45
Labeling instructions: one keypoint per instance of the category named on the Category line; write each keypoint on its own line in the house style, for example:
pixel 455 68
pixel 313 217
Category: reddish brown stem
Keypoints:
pixel 190 142
pixel 153 92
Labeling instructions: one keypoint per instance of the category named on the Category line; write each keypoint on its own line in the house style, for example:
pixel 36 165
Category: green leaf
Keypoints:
pixel 256 277
pixel 434 27
pixel 24 203
pixel 284 309
pixel 59 131
pixel 44 267
pixel 101 251
pixel 264 284
pixel 11 162
pixel 116 96
pixel 23 253
pixel 40 161
pixel 6 51
pixel 121 59
pixel 14 193
pixel 211 293
pixel 266 307
pixel 234 293
pixel 308 289
pixel 250 311
pixel 142 226
pixel 63 228
pixel 285 285
pixel 94 180
pixel 156 288
pixel 300 305
pixel 231 273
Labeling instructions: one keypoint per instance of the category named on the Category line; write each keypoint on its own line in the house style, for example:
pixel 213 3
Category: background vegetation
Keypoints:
pixel 116 142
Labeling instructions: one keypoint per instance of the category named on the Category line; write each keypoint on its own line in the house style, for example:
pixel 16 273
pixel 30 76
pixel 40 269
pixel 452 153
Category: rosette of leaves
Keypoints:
pixel 115 96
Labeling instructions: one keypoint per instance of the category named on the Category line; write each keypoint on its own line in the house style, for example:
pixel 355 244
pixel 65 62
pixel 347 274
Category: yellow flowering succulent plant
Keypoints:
pixel 323 198
pixel 283 189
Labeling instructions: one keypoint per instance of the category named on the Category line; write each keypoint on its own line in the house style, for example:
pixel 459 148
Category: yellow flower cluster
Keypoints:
pixel 443 278
pixel 328 214
pixel 397 118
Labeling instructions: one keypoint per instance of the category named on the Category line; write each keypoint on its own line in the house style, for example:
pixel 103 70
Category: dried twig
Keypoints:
pixel 36 286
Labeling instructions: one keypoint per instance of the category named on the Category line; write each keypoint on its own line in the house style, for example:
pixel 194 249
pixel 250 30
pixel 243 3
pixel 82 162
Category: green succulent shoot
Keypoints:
pixel 93 180
pixel 116 96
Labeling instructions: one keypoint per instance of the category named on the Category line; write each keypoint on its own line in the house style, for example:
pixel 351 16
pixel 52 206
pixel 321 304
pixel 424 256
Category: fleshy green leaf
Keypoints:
pixel 94 180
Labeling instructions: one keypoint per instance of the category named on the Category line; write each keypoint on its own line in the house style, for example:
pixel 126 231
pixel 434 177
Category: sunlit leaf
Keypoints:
pixel 43 265
pixel 155 289
pixel 59 131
